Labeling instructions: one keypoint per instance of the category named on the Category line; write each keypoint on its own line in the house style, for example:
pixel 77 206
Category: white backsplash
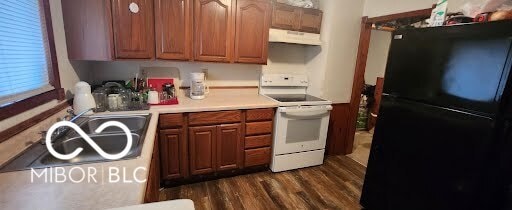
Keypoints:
pixel 283 58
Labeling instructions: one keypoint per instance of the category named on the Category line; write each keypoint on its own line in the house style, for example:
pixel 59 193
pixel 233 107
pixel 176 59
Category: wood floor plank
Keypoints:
pixel 253 195
pixel 313 194
pixel 329 190
pixel 217 196
pixel 334 185
pixel 231 194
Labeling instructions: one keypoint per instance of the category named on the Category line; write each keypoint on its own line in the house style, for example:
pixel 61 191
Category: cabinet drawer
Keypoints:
pixel 203 118
pixel 256 128
pixel 258 141
pixel 256 157
pixel 260 114
pixel 171 120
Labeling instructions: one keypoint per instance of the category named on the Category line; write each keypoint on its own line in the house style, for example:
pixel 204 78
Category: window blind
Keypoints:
pixel 23 52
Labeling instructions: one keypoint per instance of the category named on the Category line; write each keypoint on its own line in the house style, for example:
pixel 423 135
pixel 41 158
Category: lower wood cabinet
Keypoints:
pixel 204 143
pixel 202 149
pixel 229 147
pixel 260 156
pixel 215 148
pixel 173 147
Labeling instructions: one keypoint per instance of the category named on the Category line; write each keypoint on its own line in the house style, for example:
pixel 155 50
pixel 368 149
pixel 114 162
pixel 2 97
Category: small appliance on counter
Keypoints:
pixel 198 87
pixel 83 99
pixel 162 91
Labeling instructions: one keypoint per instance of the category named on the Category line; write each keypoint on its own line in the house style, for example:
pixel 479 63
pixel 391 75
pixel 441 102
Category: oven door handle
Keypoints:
pixel 305 112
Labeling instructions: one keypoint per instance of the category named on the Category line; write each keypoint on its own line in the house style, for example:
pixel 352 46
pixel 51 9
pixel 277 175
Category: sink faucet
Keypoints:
pixel 73 119
pixel 59 132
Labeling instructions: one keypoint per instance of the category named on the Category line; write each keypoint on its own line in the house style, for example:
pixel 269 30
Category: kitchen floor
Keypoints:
pixel 334 185
pixel 362 145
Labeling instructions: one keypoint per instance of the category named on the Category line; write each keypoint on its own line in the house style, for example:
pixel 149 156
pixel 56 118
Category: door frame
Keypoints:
pixel 362 55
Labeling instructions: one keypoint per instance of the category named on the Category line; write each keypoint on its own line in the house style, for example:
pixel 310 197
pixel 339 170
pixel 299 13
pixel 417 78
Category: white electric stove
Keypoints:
pixel 301 122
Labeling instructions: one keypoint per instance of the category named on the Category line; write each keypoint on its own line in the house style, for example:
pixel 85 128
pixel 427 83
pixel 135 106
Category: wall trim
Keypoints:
pixel 338 129
pixel 362 55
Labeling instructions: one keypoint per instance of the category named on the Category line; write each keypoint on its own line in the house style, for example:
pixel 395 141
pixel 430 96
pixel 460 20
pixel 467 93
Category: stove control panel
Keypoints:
pixel 284 80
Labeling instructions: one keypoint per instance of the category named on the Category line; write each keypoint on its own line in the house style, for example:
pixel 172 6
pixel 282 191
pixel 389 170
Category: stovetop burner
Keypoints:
pixel 294 98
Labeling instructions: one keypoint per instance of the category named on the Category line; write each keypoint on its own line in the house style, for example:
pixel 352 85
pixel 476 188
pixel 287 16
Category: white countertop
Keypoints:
pixel 18 192
pixel 225 99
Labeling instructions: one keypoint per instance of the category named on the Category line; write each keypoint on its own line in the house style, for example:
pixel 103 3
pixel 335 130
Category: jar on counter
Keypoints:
pixel 124 99
pixel 113 102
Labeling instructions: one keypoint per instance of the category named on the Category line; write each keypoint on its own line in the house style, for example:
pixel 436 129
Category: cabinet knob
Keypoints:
pixel 134 7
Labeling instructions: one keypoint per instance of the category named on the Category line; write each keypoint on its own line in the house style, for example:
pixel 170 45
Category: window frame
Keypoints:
pixel 57 93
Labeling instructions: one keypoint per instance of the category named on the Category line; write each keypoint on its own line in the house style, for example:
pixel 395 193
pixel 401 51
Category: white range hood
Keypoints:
pixel 294 37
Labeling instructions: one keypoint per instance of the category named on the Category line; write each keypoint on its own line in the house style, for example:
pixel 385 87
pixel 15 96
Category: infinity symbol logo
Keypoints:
pixel 89 140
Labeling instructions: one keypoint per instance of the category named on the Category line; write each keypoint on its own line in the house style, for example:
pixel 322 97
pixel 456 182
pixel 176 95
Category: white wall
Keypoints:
pixel 377 56
pixel 331 66
pixel 374 8
pixel 70 72
pixel 283 58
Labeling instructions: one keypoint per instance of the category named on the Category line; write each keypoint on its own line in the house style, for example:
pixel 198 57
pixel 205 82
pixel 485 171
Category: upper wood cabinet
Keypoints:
pixel 88 29
pixel 252 26
pixel 311 20
pixel 230 31
pixel 214 30
pixel 133 29
pixel 285 17
pixel 296 19
pixel 173 28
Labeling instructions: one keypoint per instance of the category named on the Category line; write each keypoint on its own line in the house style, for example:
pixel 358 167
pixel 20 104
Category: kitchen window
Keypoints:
pixel 29 74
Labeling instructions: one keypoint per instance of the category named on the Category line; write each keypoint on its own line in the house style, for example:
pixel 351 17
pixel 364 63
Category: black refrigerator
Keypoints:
pixel 442 138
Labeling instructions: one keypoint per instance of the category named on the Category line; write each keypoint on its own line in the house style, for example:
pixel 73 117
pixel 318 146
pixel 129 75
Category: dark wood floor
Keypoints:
pixel 334 185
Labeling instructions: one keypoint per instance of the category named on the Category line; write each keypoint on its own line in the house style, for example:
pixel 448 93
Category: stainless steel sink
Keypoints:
pixel 112 140
pixel 134 123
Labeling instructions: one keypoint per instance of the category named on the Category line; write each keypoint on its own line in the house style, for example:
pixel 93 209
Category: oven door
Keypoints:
pixel 301 128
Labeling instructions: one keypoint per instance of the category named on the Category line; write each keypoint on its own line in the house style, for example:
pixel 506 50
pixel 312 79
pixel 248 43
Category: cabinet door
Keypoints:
pixel 229 147
pixel 252 26
pixel 133 29
pixel 173 153
pixel 214 30
pixel 202 142
pixel 173 27
pixel 285 17
pixel 310 20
